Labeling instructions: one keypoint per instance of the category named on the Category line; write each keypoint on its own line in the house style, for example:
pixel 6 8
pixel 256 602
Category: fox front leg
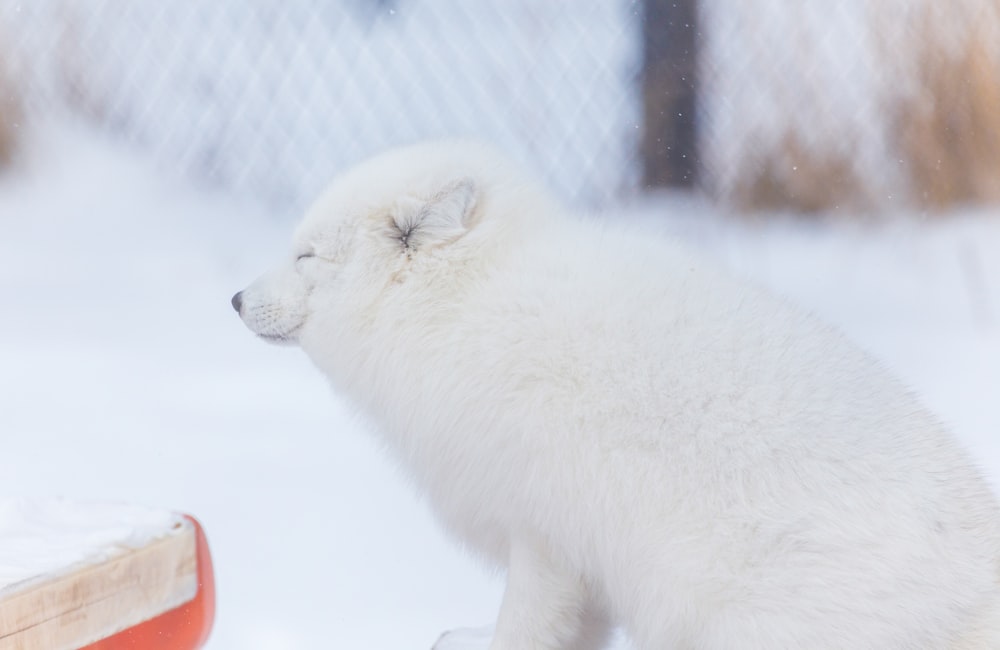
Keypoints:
pixel 546 606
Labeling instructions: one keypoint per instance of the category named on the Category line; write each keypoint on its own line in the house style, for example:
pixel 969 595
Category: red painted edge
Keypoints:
pixel 184 628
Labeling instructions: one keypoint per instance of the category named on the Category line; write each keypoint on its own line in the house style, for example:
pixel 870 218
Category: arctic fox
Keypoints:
pixel 639 439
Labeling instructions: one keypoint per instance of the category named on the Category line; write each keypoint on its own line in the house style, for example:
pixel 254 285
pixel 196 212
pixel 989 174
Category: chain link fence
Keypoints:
pixel 852 103
pixel 762 103
pixel 272 98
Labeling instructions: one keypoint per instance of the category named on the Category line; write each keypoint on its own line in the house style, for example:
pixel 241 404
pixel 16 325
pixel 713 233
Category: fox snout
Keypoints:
pixel 273 310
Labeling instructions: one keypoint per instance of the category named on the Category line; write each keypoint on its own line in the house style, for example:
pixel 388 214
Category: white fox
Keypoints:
pixel 640 440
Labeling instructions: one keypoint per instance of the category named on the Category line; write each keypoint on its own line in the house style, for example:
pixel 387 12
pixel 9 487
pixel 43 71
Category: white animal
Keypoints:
pixel 637 438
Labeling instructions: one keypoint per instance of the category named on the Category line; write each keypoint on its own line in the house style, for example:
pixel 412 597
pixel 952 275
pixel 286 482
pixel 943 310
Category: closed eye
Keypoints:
pixel 302 261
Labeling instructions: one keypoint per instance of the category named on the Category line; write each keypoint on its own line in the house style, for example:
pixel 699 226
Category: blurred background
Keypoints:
pixel 766 104
pixel 154 157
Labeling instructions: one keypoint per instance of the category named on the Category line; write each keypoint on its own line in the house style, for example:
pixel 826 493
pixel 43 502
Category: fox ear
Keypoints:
pixel 448 213
pixel 444 217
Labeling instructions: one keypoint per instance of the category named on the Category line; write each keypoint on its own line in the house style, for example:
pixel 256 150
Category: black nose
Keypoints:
pixel 238 301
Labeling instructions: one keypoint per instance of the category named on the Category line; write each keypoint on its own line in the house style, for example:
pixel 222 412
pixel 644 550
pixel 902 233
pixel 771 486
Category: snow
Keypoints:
pixel 126 376
pixel 45 536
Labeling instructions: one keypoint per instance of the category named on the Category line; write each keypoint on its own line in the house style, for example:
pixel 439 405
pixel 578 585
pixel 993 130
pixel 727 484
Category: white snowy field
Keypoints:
pixel 125 375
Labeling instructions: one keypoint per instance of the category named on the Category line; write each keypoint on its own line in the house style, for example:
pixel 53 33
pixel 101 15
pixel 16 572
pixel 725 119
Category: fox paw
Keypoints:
pixel 465 639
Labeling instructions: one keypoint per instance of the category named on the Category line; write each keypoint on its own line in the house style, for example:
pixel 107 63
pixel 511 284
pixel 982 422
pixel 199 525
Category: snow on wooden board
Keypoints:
pixel 72 573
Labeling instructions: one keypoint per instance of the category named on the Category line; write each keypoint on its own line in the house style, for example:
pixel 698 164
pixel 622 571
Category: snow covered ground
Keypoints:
pixel 125 375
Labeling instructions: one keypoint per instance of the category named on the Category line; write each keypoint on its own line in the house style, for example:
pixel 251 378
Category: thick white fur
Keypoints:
pixel 639 439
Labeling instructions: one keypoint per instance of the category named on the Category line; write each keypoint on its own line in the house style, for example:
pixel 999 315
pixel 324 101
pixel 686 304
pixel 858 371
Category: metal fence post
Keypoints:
pixel 669 86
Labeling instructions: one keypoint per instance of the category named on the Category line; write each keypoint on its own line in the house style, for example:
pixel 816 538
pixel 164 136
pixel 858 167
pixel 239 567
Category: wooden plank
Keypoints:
pixel 88 602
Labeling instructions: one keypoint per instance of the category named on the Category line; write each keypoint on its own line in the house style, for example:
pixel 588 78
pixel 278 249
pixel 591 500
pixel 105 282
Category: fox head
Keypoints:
pixel 391 236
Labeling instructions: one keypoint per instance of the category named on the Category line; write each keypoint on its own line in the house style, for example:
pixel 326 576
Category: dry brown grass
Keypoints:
pixel 939 64
pixel 796 177
pixel 948 132
pixel 11 114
